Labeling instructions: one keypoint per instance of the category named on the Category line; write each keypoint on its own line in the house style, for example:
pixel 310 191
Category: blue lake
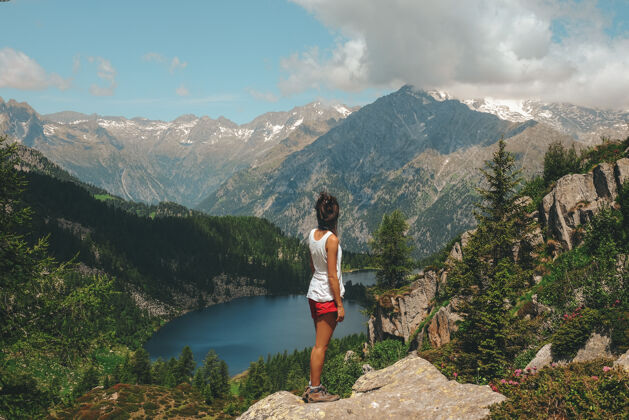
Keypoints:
pixel 244 329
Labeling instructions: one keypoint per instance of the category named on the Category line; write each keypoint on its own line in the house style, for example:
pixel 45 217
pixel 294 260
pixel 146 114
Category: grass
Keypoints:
pixel 105 197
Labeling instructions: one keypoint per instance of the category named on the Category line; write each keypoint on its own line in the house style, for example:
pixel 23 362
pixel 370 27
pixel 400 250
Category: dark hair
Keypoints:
pixel 327 211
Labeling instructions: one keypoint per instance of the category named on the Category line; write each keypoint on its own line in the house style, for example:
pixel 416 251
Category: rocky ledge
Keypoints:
pixel 410 389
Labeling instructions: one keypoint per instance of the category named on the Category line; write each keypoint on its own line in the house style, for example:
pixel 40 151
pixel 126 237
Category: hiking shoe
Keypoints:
pixel 318 394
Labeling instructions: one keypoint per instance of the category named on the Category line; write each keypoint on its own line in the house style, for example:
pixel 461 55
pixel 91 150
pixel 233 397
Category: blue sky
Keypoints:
pixel 240 58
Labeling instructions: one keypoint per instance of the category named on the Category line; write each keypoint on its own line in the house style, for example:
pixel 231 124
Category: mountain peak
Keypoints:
pixel 186 118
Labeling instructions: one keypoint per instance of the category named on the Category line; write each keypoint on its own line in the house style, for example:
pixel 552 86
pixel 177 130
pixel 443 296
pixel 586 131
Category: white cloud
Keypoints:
pixel 173 64
pixel 153 56
pixel 177 64
pixel 76 63
pixel 107 73
pixel 19 71
pixel 182 91
pixel 263 96
pixel 471 48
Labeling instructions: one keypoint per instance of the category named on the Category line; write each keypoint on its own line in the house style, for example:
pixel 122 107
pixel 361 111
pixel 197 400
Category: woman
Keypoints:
pixel 325 294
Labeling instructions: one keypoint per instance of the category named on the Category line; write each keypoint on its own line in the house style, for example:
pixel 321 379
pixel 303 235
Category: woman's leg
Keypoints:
pixel 324 325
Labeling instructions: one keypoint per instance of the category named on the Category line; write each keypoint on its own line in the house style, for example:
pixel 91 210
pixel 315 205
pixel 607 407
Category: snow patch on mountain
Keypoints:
pixel 272 131
pixel 297 123
pixel 49 129
pixel 342 110
pixel 506 109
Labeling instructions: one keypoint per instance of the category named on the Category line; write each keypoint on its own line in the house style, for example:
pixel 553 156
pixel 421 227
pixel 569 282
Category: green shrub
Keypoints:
pixel 339 375
pixel 385 353
pixel 559 161
pixel 573 332
pixel 574 391
pixel 523 359
pixel 535 188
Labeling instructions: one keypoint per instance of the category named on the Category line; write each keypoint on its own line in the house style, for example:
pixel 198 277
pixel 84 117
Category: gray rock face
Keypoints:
pixel 410 389
pixel 596 347
pixel 456 254
pixel 542 358
pixel 442 326
pixel 605 181
pixel 621 171
pixel 578 197
pixel 623 362
pixel 400 315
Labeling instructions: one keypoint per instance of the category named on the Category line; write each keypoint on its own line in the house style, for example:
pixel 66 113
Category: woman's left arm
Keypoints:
pixel 332 249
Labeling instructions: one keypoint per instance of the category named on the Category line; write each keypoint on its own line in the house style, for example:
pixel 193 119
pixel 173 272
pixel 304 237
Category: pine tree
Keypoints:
pixel 159 371
pixel 171 373
pixel 185 366
pixel 500 216
pixel 212 373
pixel 392 250
pixel 559 161
pixel 257 382
pixel 89 380
pixel 140 366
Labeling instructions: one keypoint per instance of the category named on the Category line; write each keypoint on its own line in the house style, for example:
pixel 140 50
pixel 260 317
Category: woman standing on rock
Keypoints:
pixel 325 294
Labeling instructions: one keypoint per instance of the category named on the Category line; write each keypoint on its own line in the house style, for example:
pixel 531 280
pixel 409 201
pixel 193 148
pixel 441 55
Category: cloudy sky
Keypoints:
pixel 240 58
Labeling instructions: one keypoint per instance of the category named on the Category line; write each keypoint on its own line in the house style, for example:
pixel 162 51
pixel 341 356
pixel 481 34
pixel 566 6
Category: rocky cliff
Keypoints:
pixel 412 388
pixel 576 198
pixel 399 314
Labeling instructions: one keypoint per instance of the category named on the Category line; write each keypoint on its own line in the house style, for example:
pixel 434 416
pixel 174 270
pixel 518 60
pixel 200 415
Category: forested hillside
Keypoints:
pixel 154 250
pixel 78 266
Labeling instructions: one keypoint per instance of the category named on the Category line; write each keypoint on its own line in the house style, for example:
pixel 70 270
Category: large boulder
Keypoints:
pixel 399 315
pixel 623 362
pixel 596 347
pixel 605 181
pixel 621 171
pixel 412 388
pixel 541 359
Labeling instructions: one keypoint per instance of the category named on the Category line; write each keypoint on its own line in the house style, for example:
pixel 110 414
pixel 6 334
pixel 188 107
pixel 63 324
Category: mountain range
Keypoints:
pixel 418 151
pixel 183 160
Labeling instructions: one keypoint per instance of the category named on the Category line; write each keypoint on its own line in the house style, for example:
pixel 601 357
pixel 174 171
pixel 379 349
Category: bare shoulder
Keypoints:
pixel 333 241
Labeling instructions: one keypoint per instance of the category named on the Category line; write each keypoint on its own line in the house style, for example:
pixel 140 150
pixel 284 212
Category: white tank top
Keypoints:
pixel 319 289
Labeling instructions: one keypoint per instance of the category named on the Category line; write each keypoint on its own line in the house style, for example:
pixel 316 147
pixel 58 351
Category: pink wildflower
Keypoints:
pixel 606 368
pixel 455 374
pixel 595 377
pixel 553 364
pixel 503 381
pixel 494 388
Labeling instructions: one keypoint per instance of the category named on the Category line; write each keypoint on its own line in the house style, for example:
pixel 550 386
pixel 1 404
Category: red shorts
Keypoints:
pixel 319 308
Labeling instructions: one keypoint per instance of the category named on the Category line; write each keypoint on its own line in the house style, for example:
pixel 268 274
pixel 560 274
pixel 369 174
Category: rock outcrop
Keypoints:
pixel 576 198
pixel 399 315
pixel 623 362
pixel 442 326
pixel 596 347
pixel 543 358
pixel 412 388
